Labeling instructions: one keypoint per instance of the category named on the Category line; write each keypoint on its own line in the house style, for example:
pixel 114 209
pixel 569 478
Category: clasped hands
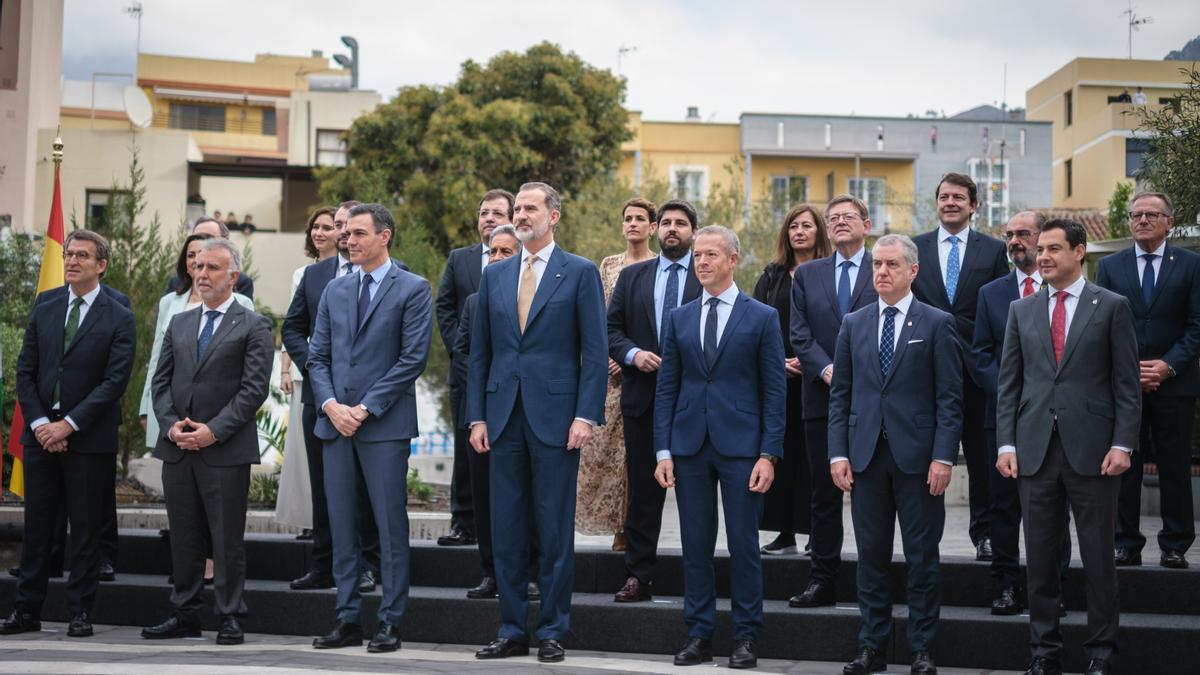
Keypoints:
pixel 53 436
pixel 190 435
pixel 345 419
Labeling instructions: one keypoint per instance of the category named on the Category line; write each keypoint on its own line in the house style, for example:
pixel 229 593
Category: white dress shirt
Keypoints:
pixel 1158 258
pixel 483 257
pixel 539 267
pixel 856 265
pixel 660 291
pixel 342 261
pixel 222 308
pixel 377 276
pixel 89 299
pixel 944 248
pixel 1021 277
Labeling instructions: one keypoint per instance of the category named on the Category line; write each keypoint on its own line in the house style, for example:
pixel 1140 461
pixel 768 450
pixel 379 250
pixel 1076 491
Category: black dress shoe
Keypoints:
pixel 486 589
pixel 344 634
pixel 983 549
pixel 366 581
pixel 1174 560
pixel 457 537
pixel 551 651
pixel 744 655
pixel 230 632
pixel 783 545
pixel 818 594
pixel 305 535
pixel 312 580
pixel 107 573
pixel 502 648
pixel 172 628
pixel 1098 667
pixel 20 621
pixel 80 626
pixel 869 660
pixel 695 651
pixel 533 592
pixel 1127 557
pixel 14 572
pixel 633 591
pixel 923 664
pixel 1008 603
pixel 386 639
pixel 1041 665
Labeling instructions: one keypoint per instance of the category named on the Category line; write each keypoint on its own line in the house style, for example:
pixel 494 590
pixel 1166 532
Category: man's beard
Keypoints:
pixel 674 251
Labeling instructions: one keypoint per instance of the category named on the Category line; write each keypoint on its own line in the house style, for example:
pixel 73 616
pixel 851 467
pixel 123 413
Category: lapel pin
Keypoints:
pixel 557 276
pixel 1170 257
pixel 910 324
pixel 1095 301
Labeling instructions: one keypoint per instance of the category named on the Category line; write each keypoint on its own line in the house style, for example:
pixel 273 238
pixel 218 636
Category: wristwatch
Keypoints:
pixel 769 457
pixel 1170 371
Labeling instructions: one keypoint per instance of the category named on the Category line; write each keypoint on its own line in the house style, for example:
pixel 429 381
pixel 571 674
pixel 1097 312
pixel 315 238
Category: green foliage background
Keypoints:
pixel 1172 163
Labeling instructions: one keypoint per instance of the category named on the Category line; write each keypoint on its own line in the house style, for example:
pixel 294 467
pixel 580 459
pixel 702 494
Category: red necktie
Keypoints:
pixel 1028 290
pixel 1058 325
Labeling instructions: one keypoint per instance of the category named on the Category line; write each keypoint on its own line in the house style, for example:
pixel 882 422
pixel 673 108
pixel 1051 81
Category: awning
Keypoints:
pixel 203 96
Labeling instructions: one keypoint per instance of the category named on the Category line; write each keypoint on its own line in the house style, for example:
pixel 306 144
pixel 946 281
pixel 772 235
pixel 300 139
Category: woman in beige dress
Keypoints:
pixel 602 486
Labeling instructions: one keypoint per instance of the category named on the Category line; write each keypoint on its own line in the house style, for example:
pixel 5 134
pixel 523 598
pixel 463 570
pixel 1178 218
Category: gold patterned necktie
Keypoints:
pixel 526 291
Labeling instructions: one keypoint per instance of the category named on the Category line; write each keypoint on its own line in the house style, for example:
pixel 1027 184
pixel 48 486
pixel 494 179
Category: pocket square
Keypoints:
pixel 913 342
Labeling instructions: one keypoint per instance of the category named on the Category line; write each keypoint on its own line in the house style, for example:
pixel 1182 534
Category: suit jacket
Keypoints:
pixel 61 292
pixel 991 316
pixel 92 372
pixel 984 260
pixel 920 401
pixel 558 364
pixel 1169 328
pixel 632 323
pixel 816 321
pixel 459 280
pixel 461 355
pixel 1093 393
pixel 378 363
pixel 740 402
pixel 224 389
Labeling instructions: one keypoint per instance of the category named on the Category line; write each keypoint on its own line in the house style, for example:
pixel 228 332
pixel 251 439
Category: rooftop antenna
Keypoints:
pixel 621 52
pixel 1135 22
pixel 135 10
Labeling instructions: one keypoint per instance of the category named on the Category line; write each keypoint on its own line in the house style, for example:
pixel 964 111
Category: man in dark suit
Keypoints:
pixel 370 345
pixel 1162 284
pixel 895 417
pixel 213 374
pixel 719 407
pixel 823 293
pixel 643 298
pixel 216 228
pixel 1021 233
pixel 957 262
pixel 297 330
pixel 1067 418
pixel 536 386
pixel 459 280
pixel 71 373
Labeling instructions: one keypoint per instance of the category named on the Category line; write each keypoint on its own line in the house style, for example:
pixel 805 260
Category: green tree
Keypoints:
pixel 1118 211
pixel 1173 161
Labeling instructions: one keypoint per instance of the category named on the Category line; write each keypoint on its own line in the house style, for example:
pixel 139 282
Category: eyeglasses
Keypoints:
pixel 1151 216
pixel 1019 234
pixel 849 218
pixel 81 256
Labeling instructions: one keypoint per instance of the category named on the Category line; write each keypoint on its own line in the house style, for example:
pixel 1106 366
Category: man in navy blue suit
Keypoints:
pixel 823 293
pixel 895 417
pixel 535 390
pixel 719 409
pixel 1162 284
pixel 957 262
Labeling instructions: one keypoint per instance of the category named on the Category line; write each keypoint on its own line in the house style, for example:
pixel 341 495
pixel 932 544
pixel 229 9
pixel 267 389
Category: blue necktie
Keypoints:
pixel 207 333
pixel 1148 277
pixel 952 268
pixel 347 268
pixel 710 332
pixel 843 289
pixel 887 341
pixel 364 298
pixel 670 298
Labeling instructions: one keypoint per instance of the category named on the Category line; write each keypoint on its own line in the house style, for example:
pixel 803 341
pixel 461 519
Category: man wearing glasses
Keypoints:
pixel 1161 284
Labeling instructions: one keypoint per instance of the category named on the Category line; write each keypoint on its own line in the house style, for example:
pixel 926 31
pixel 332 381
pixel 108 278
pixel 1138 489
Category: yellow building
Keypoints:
pixel 1096 142
pixel 691 157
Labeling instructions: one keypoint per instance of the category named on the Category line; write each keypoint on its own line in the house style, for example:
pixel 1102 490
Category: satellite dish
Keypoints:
pixel 137 107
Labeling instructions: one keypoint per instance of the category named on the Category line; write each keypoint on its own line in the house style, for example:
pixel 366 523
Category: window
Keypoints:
pixel 268 123
pixel 331 147
pixel 873 191
pixel 991 178
pixel 1068 100
pixel 98 204
pixel 197 117
pixel 786 192
pixel 690 183
pixel 1070 177
pixel 1135 156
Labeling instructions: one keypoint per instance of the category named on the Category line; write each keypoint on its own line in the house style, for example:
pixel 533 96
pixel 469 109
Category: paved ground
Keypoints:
pixel 119 650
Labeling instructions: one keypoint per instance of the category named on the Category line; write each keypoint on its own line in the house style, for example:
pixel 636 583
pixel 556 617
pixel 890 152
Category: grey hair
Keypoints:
pixel 235 256
pixel 901 240
pixel 222 227
pixel 504 229
pixel 553 199
pixel 732 244
pixel 1168 207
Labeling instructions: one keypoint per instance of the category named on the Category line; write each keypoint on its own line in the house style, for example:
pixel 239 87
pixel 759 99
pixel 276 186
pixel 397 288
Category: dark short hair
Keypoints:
pixel 497 193
pixel 349 204
pixel 1073 229
pixel 380 217
pixel 641 203
pixel 961 180
pixel 103 249
pixel 681 205
pixel 181 267
pixel 553 198
pixel 784 255
pixel 1156 195
pixel 220 224
pixel 310 249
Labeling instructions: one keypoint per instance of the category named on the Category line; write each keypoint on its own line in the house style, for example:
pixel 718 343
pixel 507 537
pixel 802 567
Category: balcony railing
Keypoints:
pixel 221 125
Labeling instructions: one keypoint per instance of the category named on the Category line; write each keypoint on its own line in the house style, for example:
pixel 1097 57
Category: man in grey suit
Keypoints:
pixel 1067 418
pixel 381 318
pixel 211 378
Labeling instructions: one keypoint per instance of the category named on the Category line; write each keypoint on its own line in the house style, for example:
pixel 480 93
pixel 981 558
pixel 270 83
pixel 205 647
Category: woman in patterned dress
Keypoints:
pixel 602 486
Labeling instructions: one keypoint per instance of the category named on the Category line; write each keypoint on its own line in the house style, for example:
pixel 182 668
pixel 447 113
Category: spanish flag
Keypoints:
pixel 51 276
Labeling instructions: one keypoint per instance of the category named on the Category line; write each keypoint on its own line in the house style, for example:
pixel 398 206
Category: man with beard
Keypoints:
pixel 644 297
pixel 297 329
pixel 957 262
pixel 536 385
pixel 459 280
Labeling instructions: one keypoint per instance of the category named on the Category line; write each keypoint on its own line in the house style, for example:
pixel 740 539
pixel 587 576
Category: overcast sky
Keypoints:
pixel 865 57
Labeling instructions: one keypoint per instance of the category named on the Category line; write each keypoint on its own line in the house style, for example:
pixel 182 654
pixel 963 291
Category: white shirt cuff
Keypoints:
pixel 1124 449
pixel 327 402
pixel 476 422
pixel 1006 449
pixel 586 420
pixel 661 455
pixel 835 460
pixel 942 461
pixel 76 426
pixel 39 422
pixel 630 354
pixel 826 370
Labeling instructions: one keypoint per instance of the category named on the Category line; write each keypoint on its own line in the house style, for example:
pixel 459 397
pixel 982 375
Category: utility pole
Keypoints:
pixel 621 52
pixel 1134 22
pixel 135 10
